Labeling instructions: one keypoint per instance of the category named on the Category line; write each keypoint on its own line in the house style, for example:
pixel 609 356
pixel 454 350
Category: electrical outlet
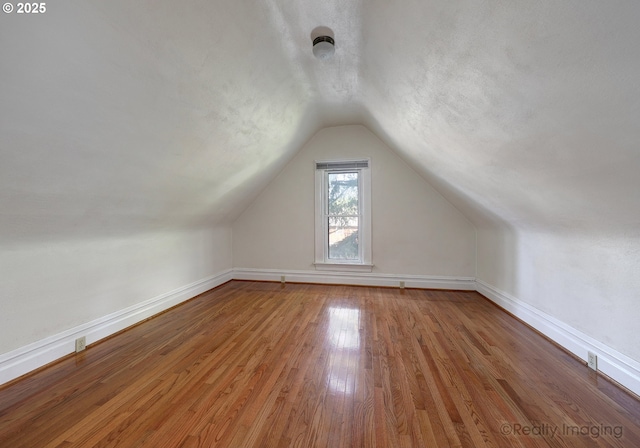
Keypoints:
pixel 282 279
pixel 81 344
pixel 592 361
pixel 401 285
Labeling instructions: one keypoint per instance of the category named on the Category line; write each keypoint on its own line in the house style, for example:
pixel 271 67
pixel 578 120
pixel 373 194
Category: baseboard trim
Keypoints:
pixel 33 356
pixel 356 278
pixel 612 363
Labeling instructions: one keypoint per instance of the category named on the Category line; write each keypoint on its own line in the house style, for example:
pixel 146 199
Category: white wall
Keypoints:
pixel 588 280
pixel 415 230
pixel 48 288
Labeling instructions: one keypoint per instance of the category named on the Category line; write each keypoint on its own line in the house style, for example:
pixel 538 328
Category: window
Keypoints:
pixel 343 215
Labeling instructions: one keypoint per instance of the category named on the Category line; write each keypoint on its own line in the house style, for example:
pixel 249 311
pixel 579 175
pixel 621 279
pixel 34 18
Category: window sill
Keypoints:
pixel 351 267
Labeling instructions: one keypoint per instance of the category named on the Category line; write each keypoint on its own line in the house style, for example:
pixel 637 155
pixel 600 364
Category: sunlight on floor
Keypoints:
pixel 344 338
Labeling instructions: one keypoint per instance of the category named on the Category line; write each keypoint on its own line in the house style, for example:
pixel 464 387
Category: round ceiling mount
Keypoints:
pixel 323 47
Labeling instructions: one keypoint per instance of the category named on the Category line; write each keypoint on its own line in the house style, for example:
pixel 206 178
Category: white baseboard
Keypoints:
pixel 617 366
pixel 612 363
pixel 28 358
pixel 356 278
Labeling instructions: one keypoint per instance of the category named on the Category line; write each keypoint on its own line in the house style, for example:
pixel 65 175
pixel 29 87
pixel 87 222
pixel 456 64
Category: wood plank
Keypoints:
pixel 253 364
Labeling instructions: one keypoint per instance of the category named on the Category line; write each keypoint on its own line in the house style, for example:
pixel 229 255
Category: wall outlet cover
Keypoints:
pixel 81 344
pixel 592 361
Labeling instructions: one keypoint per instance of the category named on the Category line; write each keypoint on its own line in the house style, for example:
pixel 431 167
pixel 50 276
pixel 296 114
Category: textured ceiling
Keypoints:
pixel 121 116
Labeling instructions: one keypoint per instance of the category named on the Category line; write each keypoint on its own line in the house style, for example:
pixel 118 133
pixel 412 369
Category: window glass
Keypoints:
pixel 343 215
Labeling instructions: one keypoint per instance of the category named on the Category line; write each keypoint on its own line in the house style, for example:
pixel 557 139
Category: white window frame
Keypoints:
pixel 322 261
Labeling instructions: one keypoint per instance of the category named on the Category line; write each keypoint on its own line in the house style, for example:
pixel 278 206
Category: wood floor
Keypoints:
pixel 267 365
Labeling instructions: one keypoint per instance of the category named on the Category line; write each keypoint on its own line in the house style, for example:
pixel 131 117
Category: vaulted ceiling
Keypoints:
pixel 124 116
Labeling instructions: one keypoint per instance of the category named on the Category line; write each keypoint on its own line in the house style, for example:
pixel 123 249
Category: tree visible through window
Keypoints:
pixel 343 215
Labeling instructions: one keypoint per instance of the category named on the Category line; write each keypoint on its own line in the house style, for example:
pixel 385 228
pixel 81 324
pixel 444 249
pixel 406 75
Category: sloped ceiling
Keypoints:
pixel 121 116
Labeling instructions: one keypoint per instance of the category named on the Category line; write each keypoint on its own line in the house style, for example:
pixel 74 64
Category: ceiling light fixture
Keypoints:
pixel 323 47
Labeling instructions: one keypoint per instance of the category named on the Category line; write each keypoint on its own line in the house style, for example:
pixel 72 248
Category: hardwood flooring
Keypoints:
pixel 265 365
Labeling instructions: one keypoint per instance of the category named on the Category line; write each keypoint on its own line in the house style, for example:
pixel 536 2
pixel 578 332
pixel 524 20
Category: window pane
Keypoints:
pixel 343 193
pixel 343 238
